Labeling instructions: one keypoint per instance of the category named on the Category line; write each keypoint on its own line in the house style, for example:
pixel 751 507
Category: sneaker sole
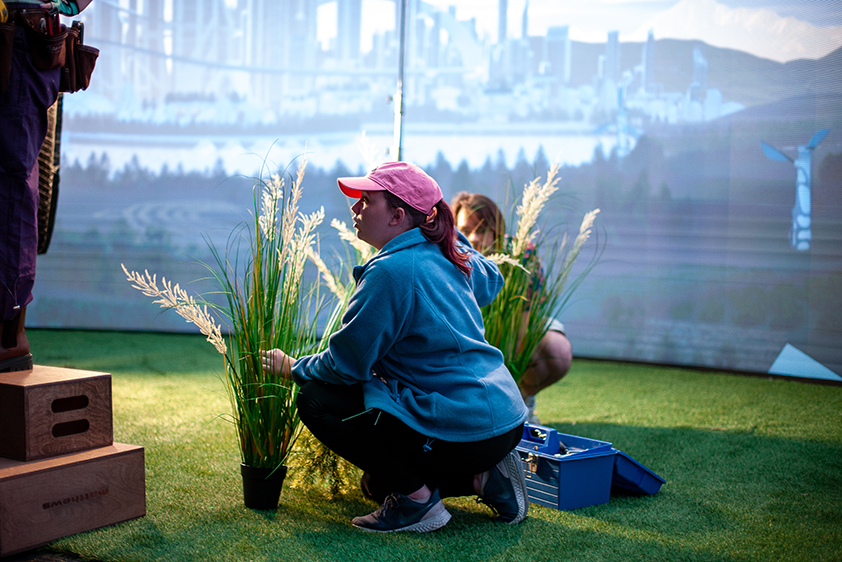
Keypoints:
pixel 514 466
pixel 435 519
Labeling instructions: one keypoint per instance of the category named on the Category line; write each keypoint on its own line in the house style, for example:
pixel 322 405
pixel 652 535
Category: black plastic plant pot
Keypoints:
pixel 262 486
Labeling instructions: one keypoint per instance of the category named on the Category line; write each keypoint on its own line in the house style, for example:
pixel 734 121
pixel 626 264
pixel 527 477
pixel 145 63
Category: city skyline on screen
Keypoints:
pixel 709 133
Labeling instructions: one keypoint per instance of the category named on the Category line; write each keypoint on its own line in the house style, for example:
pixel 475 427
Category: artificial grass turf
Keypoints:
pixel 753 469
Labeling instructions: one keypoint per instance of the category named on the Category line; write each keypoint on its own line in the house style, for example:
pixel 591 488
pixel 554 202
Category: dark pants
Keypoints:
pixel 23 125
pixel 398 458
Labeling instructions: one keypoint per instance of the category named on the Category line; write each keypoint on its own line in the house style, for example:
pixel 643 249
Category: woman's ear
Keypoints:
pixel 398 215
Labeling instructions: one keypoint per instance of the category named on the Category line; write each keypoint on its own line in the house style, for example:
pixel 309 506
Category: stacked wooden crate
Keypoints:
pixel 61 472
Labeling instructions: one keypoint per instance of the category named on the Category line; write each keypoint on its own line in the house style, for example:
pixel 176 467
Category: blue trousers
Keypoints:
pixel 23 126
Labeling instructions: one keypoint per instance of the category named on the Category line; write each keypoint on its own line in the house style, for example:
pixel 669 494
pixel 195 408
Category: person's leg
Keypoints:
pixel 456 468
pixel 490 469
pixel 397 457
pixel 550 362
pixel 400 461
pixel 19 232
pixel 18 250
pixel 382 446
pixel 23 122
pixel 369 439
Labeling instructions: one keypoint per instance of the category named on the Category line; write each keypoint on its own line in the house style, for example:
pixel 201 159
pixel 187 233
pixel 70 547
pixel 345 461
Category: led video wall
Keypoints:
pixel 713 151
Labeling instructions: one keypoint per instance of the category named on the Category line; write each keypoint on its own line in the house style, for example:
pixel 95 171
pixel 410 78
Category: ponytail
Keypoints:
pixel 439 227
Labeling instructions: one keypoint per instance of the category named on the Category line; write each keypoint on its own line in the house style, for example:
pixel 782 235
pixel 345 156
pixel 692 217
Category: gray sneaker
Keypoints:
pixel 506 491
pixel 400 513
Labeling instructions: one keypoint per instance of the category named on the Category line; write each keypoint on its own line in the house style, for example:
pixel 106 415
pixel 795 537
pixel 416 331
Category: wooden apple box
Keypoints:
pixel 44 500
pixel 48 411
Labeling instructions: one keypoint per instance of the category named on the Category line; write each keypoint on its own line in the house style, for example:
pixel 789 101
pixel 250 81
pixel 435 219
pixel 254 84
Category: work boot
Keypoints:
pixel 14 345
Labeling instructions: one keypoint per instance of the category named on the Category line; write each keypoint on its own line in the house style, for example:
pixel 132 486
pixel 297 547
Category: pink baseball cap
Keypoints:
pixel 402 179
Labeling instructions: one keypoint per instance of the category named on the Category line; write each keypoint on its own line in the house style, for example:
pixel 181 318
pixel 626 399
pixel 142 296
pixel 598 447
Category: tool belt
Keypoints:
pixel 52 45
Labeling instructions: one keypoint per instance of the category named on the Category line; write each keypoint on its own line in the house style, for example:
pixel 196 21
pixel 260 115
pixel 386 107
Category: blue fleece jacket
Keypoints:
pixel 413 336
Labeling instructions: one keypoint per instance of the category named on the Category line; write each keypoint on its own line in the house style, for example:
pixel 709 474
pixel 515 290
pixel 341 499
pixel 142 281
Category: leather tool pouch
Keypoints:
pixel 81 59
pixel 7 38
pixel 48 51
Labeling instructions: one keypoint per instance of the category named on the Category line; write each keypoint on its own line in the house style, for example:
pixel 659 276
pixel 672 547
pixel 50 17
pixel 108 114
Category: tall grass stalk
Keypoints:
pixel 266 307
pixel 519 317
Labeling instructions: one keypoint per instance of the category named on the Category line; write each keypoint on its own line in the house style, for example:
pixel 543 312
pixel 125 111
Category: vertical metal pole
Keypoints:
pixel 397 146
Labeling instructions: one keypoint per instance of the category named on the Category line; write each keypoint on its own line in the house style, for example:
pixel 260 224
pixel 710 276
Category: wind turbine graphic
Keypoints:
pixel 800 235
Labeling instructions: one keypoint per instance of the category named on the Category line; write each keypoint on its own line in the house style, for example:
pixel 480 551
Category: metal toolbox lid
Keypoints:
pixel 631 476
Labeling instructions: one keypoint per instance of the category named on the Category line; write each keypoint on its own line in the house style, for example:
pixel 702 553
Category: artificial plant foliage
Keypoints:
pixel 266 307
pixel 519 316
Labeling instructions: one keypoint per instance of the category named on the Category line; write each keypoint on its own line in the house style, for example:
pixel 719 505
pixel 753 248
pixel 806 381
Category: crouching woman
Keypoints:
pixel 408 389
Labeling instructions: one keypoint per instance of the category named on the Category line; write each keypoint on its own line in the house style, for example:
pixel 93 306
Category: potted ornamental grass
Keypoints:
pixel 266 306
pixel 536 268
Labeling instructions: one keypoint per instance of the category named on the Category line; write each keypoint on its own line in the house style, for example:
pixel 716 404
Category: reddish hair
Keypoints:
pixel 440 230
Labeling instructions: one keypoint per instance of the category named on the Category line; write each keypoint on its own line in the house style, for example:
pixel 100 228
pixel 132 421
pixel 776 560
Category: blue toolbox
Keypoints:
pixel 568 472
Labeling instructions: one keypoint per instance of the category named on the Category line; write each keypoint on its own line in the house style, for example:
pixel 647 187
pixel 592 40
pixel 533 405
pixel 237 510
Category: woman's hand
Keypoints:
pixel 274 360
